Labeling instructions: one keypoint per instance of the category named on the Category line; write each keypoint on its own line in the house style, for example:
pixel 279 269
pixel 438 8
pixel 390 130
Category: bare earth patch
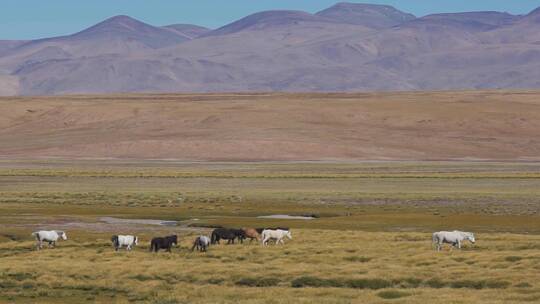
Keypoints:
pixel 475 125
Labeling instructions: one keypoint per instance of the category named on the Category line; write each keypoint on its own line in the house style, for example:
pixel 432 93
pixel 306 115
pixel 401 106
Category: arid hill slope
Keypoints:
pixel 499 125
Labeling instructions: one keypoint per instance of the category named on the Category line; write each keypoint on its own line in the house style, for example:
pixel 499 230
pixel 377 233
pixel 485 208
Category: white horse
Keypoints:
pixel 451 237
pixel 124 240
pixel 48 236
pixel 277 235
pixel 202 243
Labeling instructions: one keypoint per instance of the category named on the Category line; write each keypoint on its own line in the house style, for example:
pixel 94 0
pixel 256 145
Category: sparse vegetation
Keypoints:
pixel 393 294
pixel 371 241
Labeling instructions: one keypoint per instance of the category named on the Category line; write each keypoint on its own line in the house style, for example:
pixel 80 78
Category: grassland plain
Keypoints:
pixel 369 243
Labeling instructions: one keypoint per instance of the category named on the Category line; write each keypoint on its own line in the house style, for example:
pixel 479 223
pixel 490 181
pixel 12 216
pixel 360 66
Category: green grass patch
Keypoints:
pixel 513 258
pixel 358 259
pixel 523 285
pixel 392 294
pixel 258 282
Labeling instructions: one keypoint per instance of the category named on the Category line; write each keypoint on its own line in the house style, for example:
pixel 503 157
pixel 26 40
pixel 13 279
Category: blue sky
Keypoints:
pixel 29 19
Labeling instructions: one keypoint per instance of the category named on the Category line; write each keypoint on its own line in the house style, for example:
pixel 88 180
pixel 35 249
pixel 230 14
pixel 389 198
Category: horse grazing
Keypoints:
pixel 451 237
pixel 224 233
pixel 201 243
pixel 129 241
pixel 251 234
pixel 240 234
pixel 277 235
pixel 166 243
pixel 48 236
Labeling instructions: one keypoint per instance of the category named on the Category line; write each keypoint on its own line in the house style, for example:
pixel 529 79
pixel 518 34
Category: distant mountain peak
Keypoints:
pixel 268 19
pixel 117 25
pixel 120 19
pixel 534 16
pixel 129 29
pixel 480 21
pixel 190 31
pixel 370 15
pixel 535 12
pixel 351 5
pixel 119 22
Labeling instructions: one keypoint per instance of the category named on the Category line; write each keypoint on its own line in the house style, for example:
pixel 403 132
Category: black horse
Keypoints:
pixel 260 230
pixel 240 235
pixel 226 234
pixel 163 243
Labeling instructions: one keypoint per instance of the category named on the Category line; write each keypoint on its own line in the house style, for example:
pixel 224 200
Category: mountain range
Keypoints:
pixel 347 47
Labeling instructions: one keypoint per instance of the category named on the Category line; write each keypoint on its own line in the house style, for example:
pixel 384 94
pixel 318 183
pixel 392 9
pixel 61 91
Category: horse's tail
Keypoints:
pixel 195 244
pixel 152 244
pixel 434 239
pixel 214 237
pixel 114 240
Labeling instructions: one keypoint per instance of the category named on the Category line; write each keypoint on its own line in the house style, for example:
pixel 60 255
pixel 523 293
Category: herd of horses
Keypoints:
pixel 202 242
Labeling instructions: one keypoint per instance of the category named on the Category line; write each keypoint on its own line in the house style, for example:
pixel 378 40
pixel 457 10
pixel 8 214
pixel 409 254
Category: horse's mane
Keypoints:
pixel 464 233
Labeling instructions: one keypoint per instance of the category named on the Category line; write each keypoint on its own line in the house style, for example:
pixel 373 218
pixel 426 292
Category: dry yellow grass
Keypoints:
pixel 350 266
pixel 330 260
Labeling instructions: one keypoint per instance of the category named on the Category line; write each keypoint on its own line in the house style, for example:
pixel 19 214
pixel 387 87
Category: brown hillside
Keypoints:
pixel 241 127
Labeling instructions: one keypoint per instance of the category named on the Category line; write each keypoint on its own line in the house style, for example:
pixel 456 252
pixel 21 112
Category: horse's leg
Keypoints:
pixel 459 244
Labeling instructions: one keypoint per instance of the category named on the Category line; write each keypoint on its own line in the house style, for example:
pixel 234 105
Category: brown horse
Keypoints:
pixel 251 233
